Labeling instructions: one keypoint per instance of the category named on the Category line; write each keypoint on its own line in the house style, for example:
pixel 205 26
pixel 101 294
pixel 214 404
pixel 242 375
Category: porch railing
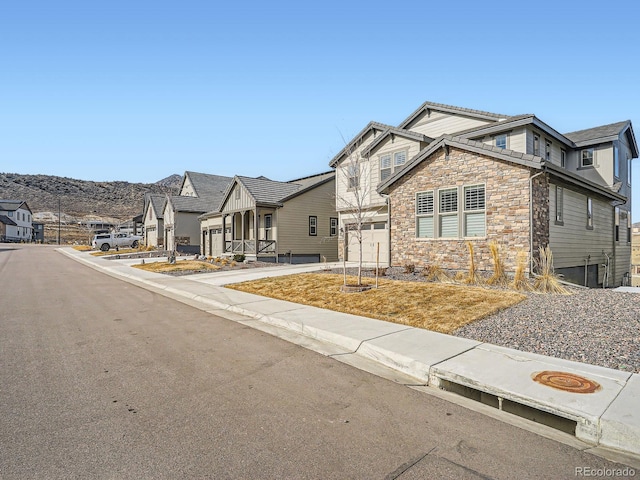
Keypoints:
pixel 236 246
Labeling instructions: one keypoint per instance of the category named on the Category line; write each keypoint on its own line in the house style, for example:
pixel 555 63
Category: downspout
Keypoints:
pixel 531 220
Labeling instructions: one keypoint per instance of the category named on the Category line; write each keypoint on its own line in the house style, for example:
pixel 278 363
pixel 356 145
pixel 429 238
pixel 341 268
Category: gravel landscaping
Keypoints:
pixel 595 326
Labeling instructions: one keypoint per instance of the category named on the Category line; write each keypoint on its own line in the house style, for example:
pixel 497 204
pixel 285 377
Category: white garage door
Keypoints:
pixel 372 235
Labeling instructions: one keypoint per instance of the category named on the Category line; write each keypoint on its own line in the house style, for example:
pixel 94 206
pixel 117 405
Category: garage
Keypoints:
pixel 372 234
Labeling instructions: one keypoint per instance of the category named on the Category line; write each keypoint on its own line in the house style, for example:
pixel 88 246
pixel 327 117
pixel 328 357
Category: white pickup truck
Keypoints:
pixel 105 241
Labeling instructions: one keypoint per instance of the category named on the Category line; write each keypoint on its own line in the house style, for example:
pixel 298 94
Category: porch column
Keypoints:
pixel 224 233
pixel 242 229
pixel 256 225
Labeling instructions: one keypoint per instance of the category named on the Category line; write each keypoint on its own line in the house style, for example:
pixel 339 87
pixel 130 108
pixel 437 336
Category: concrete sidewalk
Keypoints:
pixel 497 376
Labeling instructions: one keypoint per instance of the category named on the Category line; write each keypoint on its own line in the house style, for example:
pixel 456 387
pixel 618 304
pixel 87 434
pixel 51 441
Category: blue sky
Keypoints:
pixel 139 90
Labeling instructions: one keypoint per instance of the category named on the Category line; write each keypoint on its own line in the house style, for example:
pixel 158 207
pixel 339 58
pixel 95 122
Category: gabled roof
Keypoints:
pixel 13 205
pixel 441 107
pixel 391 132
pixel 313 180
pixel 7 221
pixel 513 122
pixel 181 203
pixel 206 185
pixel 268 192
pixel 357 140
pixel 604 133
pixel 524 159
pixel 158 202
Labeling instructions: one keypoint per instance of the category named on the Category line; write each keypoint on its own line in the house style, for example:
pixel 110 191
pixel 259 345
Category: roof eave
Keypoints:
pixel 564 174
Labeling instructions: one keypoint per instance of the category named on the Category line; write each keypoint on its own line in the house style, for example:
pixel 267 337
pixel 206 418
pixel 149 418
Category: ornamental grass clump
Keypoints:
pixel 435 273
pixel 499 278
pixel 546 280
pixel 520 280
pixel 472 277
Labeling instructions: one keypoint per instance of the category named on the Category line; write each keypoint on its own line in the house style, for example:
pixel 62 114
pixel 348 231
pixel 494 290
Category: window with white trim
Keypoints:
pixel 617 224
pixel 501 141
pixel 386 166
pixel 448 213
pixel 589 213
pixel 424 214
pixel 629 227
pixel 586 157
pixel 559 205
pixel 536 144
pixel 333 227
pixel 547 150
pixel 616 162
pixel 474 211
pixel 628 170
pixel 563 158
pixel 313 226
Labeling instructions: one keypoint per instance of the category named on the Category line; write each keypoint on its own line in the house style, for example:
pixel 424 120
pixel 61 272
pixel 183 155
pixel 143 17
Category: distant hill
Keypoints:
pixel 81 198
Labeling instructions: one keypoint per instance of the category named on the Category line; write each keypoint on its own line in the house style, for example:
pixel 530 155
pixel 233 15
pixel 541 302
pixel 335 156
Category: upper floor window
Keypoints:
pixel 616 162
pixel 501 141
pixel 9 214
pixel 617 224
pixel 353 175
pixel 586 157
pixel 547 150
pixel 237 193
pixel 563 158
pixel 536 144
pixel 628 171
pixel 386 168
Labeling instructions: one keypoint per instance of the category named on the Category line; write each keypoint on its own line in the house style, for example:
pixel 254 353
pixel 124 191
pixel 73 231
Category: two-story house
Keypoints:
pixel 447 175
pixel 16 223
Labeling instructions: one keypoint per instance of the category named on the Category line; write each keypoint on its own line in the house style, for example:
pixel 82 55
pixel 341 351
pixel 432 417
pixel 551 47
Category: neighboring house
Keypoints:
pixel 199 193
pixel 459 175
pixel 152 220
pixel 274 221
pixel 38 232
pixel 15 221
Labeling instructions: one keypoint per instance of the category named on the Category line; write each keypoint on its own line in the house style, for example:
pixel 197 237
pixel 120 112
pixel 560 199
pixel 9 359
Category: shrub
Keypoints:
pixel 435 273
pixel 409 268
pixel 239 258
pixel 519 280
pixel 546 280
pixel 498 277
pixel 234 263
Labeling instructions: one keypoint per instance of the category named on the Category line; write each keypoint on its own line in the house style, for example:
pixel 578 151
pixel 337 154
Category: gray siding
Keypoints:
pixel 293 223
pixel 573 242
pixel 233 204
pixel 438 123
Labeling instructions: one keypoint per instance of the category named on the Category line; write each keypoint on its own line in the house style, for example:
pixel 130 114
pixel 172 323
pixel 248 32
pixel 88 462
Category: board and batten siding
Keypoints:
pixel 293 223
pixel 434 123
pixel 572 242
pixel 187 189
pixel 233 204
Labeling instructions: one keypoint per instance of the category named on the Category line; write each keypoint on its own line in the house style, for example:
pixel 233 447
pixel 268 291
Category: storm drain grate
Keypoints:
pixel 524 411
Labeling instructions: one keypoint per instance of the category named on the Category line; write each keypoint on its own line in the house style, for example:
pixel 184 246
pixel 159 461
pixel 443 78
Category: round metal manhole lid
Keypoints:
pixel 567 382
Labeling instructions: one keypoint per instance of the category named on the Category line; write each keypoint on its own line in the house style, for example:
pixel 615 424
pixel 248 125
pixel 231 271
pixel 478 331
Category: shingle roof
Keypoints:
pixel 11 205
pixel 524 159
pixel 208 186
pixel 453 109
pixel 158 202
pixel 358 138
pixel 398 132
pixel 268 192
pixel 7 221
pixel 191 204
pixel 313 180
pixel 597 134
pixel 466 144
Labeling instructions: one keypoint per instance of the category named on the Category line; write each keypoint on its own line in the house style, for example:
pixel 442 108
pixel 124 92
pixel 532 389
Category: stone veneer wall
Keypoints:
pixel 541 213
pixel 507 207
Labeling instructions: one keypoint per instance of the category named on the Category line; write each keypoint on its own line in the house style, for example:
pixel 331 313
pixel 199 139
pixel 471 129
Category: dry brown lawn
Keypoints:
pixel 179 266
pixel 113 251
pixel 82 248
pixel 438 307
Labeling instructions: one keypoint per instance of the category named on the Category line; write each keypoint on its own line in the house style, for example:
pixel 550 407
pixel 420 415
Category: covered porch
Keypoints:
pixel 252 233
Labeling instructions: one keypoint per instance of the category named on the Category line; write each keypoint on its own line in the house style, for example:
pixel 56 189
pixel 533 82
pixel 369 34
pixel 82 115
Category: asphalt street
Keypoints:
pixel 103 379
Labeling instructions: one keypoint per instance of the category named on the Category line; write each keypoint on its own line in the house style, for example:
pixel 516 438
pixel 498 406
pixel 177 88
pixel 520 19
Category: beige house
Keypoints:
pixel 199 193
pixel 449 175
pixel 274 221
pixel 153 220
